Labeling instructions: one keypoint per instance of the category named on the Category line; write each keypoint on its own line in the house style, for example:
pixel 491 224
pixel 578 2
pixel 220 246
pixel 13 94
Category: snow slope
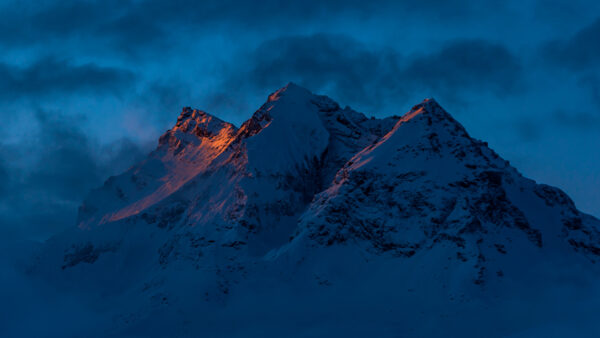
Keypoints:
pixel 314 220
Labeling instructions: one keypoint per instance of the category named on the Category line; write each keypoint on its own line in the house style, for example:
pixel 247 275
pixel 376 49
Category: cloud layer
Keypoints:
pixel 371 77
pixel 51 174
pixel 49 76
pixel 85 85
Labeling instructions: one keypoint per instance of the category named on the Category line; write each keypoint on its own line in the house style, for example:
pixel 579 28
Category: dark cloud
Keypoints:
pixel 476 65
pixel 580 52
pixel 67 163
pixel 591 81
pixel 571 119
pixel 580 120
pixel 50 76
pixel 164 98
pixel 351 70
pixel 338 63
pixel 4 178
pixel 527 130
pixel 131 25
pixel 23 24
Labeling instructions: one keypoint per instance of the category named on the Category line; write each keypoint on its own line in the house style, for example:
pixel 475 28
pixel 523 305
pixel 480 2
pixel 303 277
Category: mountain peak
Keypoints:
pixel 189 113
pixel 198 122
pixel 290 90
pixel 433 115
pixel 428 106
pixel 193 125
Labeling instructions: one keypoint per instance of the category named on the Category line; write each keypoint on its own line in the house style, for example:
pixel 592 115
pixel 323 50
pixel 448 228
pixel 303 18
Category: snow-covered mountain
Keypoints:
pixel 315 220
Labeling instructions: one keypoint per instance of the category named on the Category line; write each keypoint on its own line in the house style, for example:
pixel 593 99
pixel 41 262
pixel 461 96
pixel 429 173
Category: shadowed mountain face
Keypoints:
pixel 316 212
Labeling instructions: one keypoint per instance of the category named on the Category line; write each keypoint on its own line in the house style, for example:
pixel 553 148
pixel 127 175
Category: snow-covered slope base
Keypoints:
pixel 314 220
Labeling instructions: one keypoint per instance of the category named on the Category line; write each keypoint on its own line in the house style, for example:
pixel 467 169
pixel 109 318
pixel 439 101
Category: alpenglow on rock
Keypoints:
pixel 316 213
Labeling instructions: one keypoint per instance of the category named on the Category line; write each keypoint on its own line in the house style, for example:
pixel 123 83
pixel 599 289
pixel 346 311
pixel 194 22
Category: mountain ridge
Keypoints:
pixel 305 195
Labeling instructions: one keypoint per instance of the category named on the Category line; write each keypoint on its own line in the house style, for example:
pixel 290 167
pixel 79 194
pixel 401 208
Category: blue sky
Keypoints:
pixel 86 87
